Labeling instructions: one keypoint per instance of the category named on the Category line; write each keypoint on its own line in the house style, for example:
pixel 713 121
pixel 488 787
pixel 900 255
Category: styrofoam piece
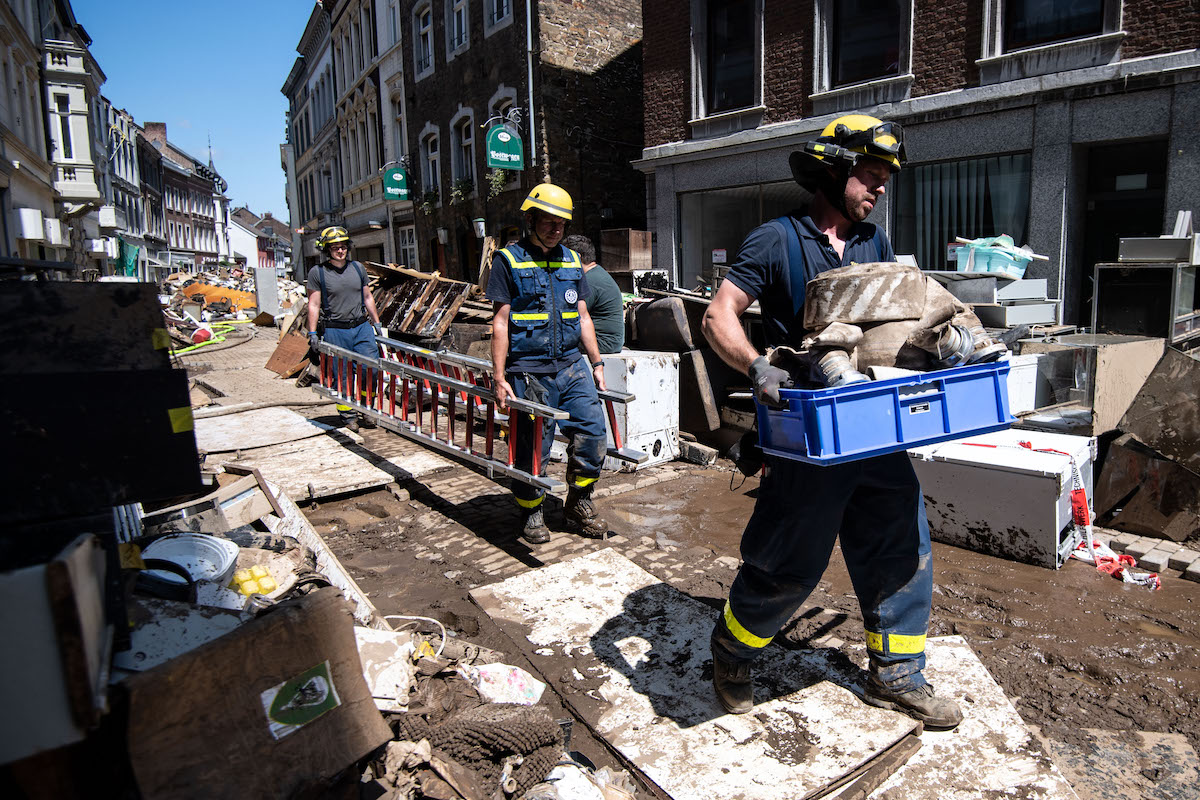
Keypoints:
pixel 646 645
pixel 990 494
pixel 387 665
pixel 206 558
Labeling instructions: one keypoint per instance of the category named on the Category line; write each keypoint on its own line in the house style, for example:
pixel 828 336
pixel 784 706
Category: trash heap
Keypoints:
pixel 205 307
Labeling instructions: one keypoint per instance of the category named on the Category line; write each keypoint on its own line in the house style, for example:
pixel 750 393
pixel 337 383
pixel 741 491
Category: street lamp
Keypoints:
pixel 480 227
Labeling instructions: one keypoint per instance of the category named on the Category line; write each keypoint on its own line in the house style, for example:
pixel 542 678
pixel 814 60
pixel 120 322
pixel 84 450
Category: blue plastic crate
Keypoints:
pixel 830 426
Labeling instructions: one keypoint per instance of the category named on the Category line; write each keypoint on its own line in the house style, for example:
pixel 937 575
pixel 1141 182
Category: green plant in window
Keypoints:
pixel 497 179
pixel 428 200
pixel 461 190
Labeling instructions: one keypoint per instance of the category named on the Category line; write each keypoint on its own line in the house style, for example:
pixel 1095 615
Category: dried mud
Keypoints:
pixel 1073 649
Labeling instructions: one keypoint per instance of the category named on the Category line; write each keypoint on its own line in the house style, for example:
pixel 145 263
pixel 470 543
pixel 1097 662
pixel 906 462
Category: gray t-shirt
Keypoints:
pixel 343 295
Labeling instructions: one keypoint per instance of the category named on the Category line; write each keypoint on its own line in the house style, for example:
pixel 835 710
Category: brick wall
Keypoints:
pixel 948 40
pixel 1160 26
pixel 787 59
pixel 666 67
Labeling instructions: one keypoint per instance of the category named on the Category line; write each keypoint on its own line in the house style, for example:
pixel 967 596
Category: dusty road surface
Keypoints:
pixel 1073 649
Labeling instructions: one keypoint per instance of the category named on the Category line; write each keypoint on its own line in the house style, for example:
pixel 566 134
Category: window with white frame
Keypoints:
pixel 497 11
pixel 431 176
pixel 423 39
pixel 934 203
pixel 406 240
pixel 1026 38
pixel 729 73
pixel 464 149
pixel 399 145
pixel 62 109
pixel 394 21
pixel 863 53
pixel 457 32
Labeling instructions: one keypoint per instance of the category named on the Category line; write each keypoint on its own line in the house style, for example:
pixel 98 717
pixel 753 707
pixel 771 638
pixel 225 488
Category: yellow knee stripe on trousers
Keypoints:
pixel 341 407
pixel 741 634
pixel 534 503
pixel 896 643
pixel 582 482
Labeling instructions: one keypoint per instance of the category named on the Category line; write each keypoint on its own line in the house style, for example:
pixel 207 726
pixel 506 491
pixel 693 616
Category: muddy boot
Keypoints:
pixel 533 528
pixel 366 422
pixel 581 515
pixel 937 713
pixel 733 683
pixel 350 424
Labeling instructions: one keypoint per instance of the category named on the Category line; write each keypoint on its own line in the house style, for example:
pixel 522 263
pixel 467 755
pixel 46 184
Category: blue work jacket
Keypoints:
pixel 543 317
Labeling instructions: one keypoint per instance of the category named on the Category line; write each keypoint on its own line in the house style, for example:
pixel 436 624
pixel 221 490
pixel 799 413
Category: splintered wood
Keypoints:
pixel 420 304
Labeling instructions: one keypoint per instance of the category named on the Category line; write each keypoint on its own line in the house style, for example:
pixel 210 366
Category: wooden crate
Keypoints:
pixel 625 249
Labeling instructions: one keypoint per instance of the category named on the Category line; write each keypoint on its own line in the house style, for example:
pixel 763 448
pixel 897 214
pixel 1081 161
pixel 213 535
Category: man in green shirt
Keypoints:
pixel 604 301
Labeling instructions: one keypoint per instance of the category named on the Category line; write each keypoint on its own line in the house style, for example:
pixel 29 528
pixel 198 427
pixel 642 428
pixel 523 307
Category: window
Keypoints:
pixel 399 146
pixel 406 249
pixel 497 14
pixel 865 40
pixel 456 26
pixel 464 156
pixel 394 20
pixel 976 197
pixel 423 46
pixel 1028 23
pixel 62 105
pixel 729 69
pixel 1027 38
pixel 431 176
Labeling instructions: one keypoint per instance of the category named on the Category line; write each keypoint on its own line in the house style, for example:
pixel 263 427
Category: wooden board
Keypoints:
pixel 644 646
pixel 259 427
pixel 324 466
pixel 290 356
pixel 698 404
pixel 224 708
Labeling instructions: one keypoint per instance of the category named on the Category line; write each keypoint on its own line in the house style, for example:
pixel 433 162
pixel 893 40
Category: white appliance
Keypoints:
pixel 990 494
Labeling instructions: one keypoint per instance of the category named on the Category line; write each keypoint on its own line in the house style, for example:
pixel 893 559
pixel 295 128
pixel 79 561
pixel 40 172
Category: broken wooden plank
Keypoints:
pixel 290 355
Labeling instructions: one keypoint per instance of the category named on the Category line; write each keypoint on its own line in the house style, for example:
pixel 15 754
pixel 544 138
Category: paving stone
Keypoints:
pixel 1192 573
pixel 1120 540
pixel 1142 545
pixel 1183 558
pixel 1154 561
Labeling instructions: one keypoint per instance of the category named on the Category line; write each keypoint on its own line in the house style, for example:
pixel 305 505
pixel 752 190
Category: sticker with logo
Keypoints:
pixel 291 705
pixel 571 296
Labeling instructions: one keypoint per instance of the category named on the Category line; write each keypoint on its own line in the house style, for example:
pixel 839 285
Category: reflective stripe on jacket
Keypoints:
pixel 543 317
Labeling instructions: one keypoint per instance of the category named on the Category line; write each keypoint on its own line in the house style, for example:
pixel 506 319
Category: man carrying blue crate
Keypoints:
pixel 875 504
pixel 541 322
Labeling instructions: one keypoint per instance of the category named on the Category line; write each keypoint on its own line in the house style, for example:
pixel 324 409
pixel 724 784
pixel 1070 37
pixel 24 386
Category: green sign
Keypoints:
pixel 504 149
pixel 294 703
pixel 395 184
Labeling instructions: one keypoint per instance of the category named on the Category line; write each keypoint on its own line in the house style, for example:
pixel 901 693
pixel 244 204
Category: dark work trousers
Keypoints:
pixel 572 390
pixel 876 506
pixel 360 340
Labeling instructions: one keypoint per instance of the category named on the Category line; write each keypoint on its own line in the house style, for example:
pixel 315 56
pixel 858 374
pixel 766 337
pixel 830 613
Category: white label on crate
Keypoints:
pixel 918 408
pixel 718 255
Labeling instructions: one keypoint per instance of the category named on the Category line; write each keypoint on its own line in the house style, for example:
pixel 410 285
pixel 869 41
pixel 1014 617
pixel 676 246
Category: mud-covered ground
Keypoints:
pixel 1073 648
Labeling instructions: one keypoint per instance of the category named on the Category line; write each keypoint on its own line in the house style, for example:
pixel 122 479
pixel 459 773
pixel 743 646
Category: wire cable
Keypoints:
pixel 442 646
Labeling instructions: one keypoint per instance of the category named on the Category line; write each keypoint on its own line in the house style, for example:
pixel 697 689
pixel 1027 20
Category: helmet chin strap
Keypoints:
pixel 835 194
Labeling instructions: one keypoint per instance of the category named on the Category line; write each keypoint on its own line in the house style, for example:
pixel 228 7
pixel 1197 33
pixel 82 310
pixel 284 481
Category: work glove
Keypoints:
pixel 375 326
pixel 767 382
pixel 313 339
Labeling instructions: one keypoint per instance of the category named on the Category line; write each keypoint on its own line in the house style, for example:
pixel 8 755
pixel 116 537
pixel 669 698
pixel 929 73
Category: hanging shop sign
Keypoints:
pixel 395 184
pixel 504 149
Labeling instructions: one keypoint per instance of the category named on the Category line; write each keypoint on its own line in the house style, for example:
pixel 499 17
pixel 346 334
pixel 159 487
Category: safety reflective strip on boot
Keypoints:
pixel 585 482
pixel 896 643
pixel 534 503
pixel 740 633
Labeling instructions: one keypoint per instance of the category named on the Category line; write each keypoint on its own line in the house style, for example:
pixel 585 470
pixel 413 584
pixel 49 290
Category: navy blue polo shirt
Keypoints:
pixel 762 271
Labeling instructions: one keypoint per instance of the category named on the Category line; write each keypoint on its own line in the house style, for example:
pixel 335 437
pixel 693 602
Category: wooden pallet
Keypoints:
pixel 418 303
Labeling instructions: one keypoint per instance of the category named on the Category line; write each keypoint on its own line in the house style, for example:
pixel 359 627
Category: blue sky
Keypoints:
pixel 211 68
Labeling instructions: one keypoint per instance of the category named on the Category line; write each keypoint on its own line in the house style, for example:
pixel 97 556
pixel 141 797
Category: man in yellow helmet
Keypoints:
pixel 540 324
pixel 341 309
pixel 875 504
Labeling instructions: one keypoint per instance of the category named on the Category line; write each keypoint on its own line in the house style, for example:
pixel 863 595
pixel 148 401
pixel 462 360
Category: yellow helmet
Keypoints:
pixel 552 199
pixel 854 135
pixel 331 235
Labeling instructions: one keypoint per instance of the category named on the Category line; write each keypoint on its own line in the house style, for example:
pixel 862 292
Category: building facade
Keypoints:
pixel 1063 124
pixel 27 199
pixel 194 205
pixel 418 83
pixel 154 222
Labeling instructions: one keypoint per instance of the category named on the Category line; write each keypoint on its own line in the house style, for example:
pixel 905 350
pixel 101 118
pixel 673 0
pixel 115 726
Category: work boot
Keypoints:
pixel 581 514
pixel 533 529
pixel 351 424
pixel 937 713
pixel 366 422
pixel 733 684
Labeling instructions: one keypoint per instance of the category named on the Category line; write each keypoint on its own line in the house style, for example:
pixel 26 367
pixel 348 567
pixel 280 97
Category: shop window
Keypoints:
pixel 971 198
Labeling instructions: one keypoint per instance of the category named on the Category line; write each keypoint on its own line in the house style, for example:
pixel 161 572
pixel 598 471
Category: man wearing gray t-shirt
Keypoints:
pixel 341 309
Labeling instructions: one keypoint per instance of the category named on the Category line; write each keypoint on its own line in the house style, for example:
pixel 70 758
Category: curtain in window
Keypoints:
pixel 972 198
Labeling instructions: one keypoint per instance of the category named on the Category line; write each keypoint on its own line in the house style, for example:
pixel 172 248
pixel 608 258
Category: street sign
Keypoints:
pixel 504 149
pixel 395 184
